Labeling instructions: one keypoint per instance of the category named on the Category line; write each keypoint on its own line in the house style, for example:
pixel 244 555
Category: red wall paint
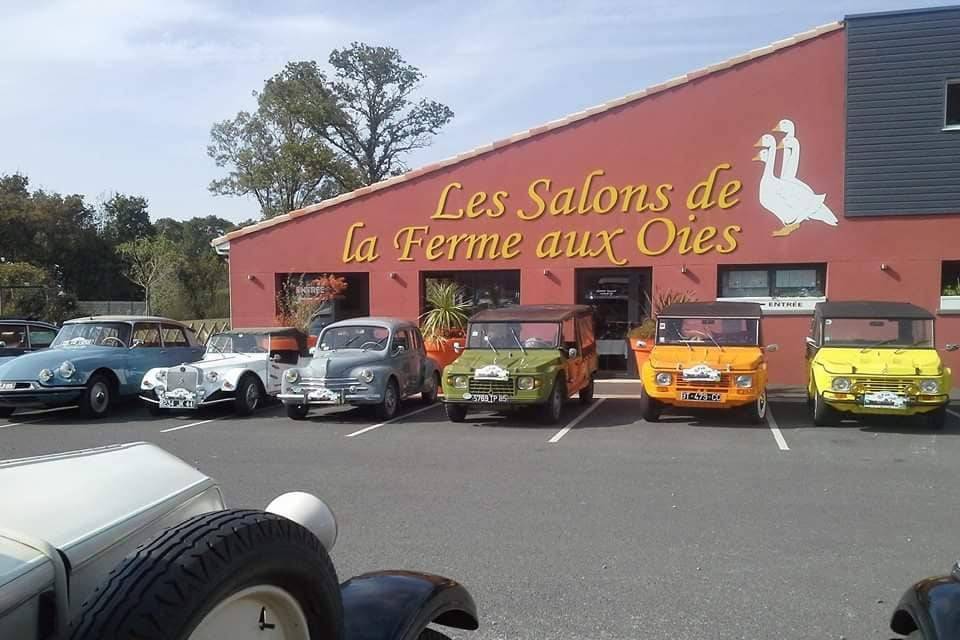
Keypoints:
pixel 674 137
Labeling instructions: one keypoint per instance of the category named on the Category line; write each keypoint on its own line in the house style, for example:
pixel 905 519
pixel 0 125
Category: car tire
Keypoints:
pixel 297 411
pixel 432 634
pixel 390 404
pixel 171 586
pixel 455 412
pixel 936 420
pixel 586 394
pixel 756 412
pixel 248 395
pixel 650 408
pixel 429 393
pixel 823 414
pixel 97 397
pixel 6 412
pixel 554 408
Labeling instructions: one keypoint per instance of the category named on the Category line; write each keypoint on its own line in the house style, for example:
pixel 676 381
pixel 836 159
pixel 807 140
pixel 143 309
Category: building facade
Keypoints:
pixel 824 166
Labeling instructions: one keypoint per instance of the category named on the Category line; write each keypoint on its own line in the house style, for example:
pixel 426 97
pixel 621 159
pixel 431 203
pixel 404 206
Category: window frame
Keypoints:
pixel 772 269
pixel 172 327
pixel 145 325
pixel 32 328
pixel 954 82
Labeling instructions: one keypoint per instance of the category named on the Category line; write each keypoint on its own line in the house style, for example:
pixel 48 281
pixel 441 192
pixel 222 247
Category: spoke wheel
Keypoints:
pixel 248 396
pixel 251 612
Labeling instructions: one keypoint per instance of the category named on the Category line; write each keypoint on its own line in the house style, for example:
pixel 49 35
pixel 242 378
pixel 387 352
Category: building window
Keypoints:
pixel 482 289
pixel 952 110
pixel 795 281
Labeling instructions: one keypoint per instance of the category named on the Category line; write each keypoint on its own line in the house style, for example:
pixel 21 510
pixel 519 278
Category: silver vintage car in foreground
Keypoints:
pixel 366 362
pixel 164 559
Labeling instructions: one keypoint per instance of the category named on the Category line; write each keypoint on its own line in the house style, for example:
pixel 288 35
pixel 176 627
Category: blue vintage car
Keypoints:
pixel 93 361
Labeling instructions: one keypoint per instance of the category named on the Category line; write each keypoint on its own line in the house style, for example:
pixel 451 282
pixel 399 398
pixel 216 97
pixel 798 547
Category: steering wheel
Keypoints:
pixel 115 339
pixel 702 333
pixel 373 342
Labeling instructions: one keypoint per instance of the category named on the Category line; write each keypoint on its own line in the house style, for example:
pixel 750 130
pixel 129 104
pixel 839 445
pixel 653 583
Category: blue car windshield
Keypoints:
pixel 87 334
pixel 358 336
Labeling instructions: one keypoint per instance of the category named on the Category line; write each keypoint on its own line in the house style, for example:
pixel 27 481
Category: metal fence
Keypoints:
pixel 111 307
pixel 207 327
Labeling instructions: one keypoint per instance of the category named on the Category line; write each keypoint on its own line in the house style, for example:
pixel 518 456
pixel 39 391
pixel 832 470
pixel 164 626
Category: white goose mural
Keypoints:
pixel 786 196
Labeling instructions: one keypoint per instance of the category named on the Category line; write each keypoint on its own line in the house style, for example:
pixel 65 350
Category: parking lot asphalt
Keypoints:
pixel 603 526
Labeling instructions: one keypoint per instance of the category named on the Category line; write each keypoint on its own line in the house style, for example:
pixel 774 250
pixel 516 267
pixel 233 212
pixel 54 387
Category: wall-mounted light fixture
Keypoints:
pixel 252 278
pixel 884 266
pixel 683 268
pixel 393 275
pixel 546 272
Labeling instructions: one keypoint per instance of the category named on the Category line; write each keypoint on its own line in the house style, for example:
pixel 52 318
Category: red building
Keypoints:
pixel 771 176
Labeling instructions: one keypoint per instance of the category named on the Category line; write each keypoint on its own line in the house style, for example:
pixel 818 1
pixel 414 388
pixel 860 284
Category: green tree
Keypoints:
pixel 151 262
pixel 125 218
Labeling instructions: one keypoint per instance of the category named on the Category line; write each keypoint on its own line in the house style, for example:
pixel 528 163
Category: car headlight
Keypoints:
pixel 526 383
pixel 365 376
pixel 744 382
pixel 45 375
pixel 67 369
pixel 663 378
pixel 841 384
pixel 161 375
pixel 291 375
pixel 459 382
pixel 212 376
pixel 929 387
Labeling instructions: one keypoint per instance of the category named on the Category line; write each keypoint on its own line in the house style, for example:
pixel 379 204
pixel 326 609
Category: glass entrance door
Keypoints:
pixel 617 297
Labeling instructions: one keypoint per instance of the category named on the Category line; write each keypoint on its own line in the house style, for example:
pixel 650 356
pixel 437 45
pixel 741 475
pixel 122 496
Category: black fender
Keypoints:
pixel 398 605
pixel 932 606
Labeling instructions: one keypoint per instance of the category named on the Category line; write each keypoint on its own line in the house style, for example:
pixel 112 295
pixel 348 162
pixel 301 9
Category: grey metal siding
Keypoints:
pixel 899 160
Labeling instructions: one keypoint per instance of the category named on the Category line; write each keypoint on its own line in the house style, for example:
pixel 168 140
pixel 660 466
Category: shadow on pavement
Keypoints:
pixel 795 415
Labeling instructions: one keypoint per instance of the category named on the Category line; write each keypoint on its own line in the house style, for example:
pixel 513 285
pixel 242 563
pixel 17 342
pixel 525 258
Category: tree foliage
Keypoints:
pixel 150 263
pixel 125 218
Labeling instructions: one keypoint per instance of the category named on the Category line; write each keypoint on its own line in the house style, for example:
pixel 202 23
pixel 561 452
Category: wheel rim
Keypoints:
pixel 556 405
pixel 99 397
pixel 390 399
pixel 252 396
pixel 762 405
pixel 247 614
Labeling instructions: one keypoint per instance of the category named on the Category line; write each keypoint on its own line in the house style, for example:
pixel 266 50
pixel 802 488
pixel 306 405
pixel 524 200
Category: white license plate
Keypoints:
pixel 700 396
pixel 324 395
pixel 8 386
pixel 177 403
pixel 491 397
pixel 885 399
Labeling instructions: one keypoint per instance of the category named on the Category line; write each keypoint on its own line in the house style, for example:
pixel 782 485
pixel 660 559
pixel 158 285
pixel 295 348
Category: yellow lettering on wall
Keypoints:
pixel 611 194
pixel 728 190
pixel 663 200
pixel 482 239
pixel 409 241
pixel 606 237
pixel 435 247
pixel 562 203
pixel 549 245
pixel 683 234
pixel 440 214
pixel 509 249
pixel 631 191
pixel 499 206
pixel 581 251
pixel 671 229
pixel 535 197
pixel 585 192
pixel 728 235
pixel 476 200
pixel 707 233
pixel 365 251
pixel 701 196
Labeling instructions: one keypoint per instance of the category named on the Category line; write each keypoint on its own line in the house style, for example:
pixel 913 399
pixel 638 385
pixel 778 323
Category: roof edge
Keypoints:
pixel 547 127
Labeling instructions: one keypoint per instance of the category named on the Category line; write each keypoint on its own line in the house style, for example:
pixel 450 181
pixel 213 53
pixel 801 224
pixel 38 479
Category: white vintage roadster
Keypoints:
pixel 244 367
pixel 164 559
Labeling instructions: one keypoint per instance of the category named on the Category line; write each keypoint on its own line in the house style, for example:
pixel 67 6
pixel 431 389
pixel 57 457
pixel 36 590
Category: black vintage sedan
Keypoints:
pixel 19 336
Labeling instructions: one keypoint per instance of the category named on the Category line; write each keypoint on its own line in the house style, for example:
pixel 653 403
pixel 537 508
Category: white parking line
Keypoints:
pixel 775 429
pixel 192 424
pixel 559 434
pixel 16 424
pixel 953 413
pixel 391 421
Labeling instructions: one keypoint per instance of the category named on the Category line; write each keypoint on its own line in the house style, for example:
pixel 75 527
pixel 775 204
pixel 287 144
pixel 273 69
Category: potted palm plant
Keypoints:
pixel 640 338
pixel 445 320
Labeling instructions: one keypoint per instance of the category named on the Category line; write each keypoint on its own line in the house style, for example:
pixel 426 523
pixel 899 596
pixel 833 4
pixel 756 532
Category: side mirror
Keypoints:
pixel 136 343
pixel 572 352
pixel 401 348
pixel 811 343
pixel 773 347
pixel 312 351
pixel 952 347
pixel 3 345
pixel 457 347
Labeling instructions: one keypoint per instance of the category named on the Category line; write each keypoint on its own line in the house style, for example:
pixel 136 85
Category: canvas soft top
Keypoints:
pixel 531 313
pixel 713 310
pixel 871 309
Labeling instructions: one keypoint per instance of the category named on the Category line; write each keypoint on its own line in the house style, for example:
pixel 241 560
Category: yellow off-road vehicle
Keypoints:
pixel 707 355
pixel 875 358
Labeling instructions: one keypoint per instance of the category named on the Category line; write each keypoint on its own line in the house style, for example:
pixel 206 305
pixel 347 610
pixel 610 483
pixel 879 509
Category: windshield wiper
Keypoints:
pixel 486 339
pixel 348 342
pixel 878 344
pixel 517 338
pixel 915 343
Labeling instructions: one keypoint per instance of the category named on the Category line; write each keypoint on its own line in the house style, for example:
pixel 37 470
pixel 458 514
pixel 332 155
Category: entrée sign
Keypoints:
pixel 656 236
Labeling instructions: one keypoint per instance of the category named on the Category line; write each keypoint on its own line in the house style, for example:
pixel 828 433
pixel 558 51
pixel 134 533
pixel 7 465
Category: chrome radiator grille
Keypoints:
pixel 725 382
pixel 334 384
pixel 872 385
pixel 501 387
pixel 182 378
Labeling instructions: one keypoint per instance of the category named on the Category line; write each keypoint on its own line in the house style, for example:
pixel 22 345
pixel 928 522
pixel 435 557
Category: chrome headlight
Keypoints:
pixel 67 369
pixel 744 382
pixel 291 375
pixel 45 375
pixel 929 387
pixel 663 378
pixel 526 383
pixel 161 375
pixel 212 376
pixel 365 376
pixel 842 385
pixel 459 382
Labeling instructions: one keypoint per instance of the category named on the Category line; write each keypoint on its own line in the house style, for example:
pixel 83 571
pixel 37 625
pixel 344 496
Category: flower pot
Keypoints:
pixel 441 350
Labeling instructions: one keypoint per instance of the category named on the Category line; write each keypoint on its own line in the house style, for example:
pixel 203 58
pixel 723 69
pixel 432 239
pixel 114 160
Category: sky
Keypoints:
pixel 105 96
